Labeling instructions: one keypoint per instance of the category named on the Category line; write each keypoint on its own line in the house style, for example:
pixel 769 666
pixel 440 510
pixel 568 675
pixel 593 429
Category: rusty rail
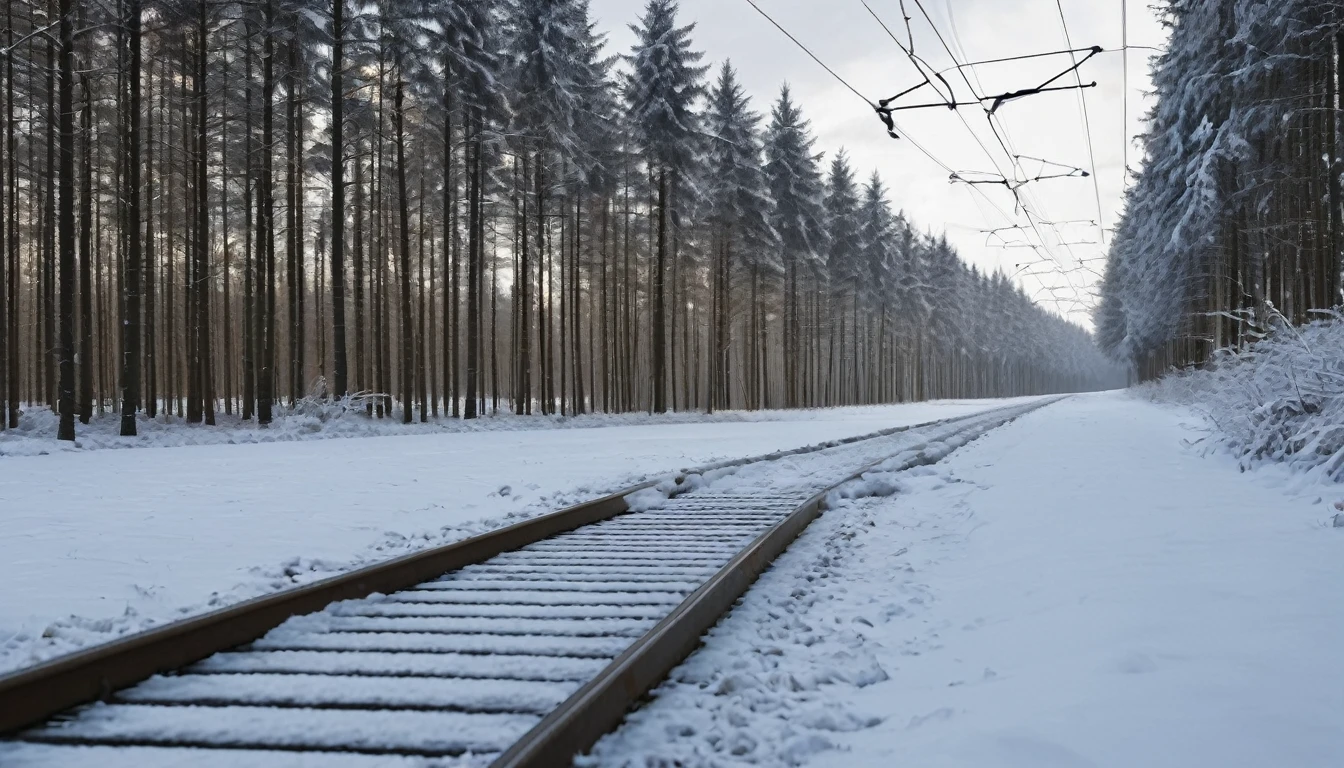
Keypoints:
pixel 29 696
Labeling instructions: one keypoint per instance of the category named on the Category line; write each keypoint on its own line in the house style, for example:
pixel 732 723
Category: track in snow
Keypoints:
pixel 459 669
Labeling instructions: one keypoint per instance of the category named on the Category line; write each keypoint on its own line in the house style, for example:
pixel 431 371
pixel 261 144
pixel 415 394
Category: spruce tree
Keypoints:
pixel 664 83
pixel 795 186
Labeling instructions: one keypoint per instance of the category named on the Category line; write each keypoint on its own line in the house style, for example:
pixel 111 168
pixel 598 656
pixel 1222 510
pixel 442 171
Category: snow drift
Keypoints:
pixel 1280 399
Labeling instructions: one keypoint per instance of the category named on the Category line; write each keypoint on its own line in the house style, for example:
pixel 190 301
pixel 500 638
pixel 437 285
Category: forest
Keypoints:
pixel 465 207
pixel 1233 226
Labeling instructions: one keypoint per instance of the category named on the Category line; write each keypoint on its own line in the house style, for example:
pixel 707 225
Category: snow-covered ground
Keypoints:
pixel 573 618
pixel 1079 588
pixel 99 543
pixel 316 419
pixel 1278 401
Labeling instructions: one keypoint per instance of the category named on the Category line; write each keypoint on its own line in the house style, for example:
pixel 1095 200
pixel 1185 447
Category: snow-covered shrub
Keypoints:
pixel 318 404
pixel 1280 399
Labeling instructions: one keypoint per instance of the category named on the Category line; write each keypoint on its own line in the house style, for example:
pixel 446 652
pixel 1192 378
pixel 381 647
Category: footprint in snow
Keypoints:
pixel 940 714
pixel 1135 663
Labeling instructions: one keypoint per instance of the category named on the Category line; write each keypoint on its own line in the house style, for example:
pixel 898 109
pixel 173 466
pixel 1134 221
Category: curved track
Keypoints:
pixel 524 657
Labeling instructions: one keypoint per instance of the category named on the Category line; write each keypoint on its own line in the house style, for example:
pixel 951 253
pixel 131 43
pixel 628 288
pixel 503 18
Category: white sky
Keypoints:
pixel 843 35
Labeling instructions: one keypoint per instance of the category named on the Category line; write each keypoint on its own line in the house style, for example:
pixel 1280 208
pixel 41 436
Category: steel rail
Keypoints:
pixel 600 704
pixel 30 695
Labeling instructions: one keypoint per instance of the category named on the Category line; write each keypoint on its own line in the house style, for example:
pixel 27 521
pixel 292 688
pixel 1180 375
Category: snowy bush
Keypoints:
pixel 1280 399
pixel 317 404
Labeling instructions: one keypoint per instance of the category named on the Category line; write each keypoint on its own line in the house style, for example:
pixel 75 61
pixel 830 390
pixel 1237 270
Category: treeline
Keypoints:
pixel 1234 222
pixel 462 205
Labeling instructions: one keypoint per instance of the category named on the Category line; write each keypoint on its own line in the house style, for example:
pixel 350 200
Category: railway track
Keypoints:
pixel 521 651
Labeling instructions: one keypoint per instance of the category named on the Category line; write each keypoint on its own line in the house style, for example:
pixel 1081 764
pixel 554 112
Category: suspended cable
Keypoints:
pixel 1005 59
pixel 805 49
pixel 920 65
pixel 891 123
pixel 1124 78
pixel 1018 194
pixel 1087 121
pixel 897 132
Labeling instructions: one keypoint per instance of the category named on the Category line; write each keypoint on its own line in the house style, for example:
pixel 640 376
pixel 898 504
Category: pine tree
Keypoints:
pixel 625 245
pixel 1234 222
pixel 740 207
pixel 798 217
pixel 665 81
pixel 842 229
pixel 876 277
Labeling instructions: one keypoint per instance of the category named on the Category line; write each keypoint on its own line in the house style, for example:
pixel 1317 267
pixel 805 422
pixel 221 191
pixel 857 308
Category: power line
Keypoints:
pixel 893 128
pixel 1087 121
pixel 1124 77
pixel 842 80
pixel 956 39
pixel 1001 135
pixel 1019 198
pixel 916 62
pixel 996 125
pixel 1005 59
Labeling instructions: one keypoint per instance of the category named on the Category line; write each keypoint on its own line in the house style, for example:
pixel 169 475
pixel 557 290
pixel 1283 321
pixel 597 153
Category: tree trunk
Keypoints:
pixel 659 329
pixel 407 346
pixel 8 373
pixel 452 338
pixel 130 329
pixel 204 367
pixel 357 257
pixel 149 288
pixel 266 226
pixel 66 225
pixel 12 229
pixel 420 350
pixel 579 404
pixel 85 265
pixel 474 251
pixel 249 249
pixel 293 228
pixel 523 391
pixel 341 382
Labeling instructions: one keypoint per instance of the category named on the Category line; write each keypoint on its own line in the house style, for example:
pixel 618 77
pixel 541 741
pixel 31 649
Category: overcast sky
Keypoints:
pixel 1049 126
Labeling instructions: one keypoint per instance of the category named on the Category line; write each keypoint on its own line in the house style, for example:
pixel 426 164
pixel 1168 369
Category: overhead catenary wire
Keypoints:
pixel 896 131
pixel 844 82
pixel 1087 120
pixel 1007 59
pixel 1001 135
pixel 910 54
pixel 1019 195
pixel 1124 90
pixel 806 50
pixel 893 127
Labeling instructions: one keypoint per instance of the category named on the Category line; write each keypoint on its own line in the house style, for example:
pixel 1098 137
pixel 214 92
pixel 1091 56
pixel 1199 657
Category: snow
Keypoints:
pixel 1082 587
pixel 726 508
pixel 49 756
pixel 316 419
pixel 1280 400
pixel 442 665
pixel 99 543
pixel 286 690
pixel 279 727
